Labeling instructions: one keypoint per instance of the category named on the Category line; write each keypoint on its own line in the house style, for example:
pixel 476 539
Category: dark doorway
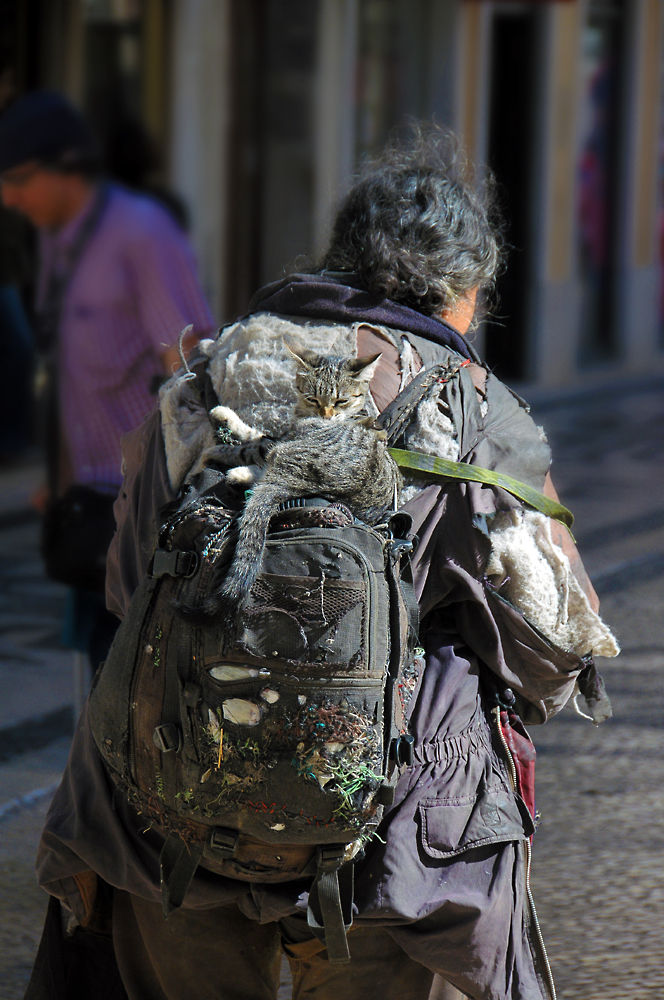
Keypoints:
pixel 598 177
pixel 511 137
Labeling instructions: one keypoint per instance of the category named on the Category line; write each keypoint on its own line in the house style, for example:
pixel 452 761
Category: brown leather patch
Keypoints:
pixel 386 382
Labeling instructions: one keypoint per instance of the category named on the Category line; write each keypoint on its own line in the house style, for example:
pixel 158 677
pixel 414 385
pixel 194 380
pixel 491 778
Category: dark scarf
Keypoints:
pixel 333 297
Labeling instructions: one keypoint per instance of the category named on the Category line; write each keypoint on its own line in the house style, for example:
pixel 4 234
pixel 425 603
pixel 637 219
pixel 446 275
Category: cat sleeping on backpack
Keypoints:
pixel 331 450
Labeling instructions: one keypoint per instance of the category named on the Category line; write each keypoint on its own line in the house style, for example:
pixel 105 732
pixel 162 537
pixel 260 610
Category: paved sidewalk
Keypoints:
pixel 35 672
pixel 597 881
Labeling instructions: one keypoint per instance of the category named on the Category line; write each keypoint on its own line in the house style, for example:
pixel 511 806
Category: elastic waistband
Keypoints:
pixel 476 737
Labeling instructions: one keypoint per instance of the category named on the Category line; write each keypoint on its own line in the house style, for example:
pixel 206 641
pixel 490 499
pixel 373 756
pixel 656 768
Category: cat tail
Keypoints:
pixel 236 582
pixel 261 507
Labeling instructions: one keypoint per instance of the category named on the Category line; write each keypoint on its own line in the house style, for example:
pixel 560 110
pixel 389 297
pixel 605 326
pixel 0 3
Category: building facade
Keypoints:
pixel 261 111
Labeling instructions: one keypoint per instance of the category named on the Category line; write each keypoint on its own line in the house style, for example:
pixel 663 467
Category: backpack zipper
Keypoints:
pixel 529 854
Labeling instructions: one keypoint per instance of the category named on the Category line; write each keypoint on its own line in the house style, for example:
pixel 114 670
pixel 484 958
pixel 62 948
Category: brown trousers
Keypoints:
pixel 220 954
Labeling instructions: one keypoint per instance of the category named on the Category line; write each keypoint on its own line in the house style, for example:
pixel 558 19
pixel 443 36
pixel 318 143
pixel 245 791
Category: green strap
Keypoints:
pixel 437 469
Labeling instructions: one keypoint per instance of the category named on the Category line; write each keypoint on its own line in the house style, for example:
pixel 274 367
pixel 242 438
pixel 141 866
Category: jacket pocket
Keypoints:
pixel 450 826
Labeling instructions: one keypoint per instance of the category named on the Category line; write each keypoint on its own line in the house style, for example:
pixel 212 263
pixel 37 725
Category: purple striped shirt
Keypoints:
pixel 133 290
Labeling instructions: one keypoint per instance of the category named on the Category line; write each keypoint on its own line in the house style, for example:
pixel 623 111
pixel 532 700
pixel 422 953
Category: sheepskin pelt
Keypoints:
pixel 432 432
pixel 252 373
pixel 186 429
pixel 431 429
pixel 537 579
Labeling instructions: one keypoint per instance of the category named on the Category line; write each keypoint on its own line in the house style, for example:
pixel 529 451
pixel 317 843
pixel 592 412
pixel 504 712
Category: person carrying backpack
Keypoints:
pixel 340 771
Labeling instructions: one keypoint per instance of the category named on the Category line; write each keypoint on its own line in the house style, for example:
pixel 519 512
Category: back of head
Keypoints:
pixel 44 126
pixel 416 227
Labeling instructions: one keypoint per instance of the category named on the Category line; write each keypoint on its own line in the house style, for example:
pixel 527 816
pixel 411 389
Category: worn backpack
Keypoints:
pixel 266 751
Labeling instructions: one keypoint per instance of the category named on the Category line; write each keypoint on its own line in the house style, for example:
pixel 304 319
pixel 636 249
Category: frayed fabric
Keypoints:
pixel 536 577
pixel 186 428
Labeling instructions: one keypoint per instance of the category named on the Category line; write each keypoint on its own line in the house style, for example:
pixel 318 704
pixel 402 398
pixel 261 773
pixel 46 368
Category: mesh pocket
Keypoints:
pixel 306 618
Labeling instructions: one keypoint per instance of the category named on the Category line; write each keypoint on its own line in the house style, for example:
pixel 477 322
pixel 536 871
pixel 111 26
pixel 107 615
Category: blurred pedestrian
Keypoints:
pixel 117 283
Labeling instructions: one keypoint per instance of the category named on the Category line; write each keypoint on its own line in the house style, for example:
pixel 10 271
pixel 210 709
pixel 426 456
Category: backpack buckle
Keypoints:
pixel 167 737
pixel 330 857
pixel 402 750
pixel 175 563
pixel 221 841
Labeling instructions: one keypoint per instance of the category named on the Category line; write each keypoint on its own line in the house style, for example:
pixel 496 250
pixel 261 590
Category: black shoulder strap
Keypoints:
pixel 58 280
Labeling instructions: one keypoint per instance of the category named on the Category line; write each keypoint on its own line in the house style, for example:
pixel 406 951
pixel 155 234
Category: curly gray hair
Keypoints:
pixel 416 227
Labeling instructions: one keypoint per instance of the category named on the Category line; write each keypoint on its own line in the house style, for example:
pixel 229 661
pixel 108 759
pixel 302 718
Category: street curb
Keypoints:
pixel 37 732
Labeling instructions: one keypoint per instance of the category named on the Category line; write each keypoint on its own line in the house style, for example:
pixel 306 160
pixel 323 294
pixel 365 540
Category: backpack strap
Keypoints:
pixel 178 862
pixel 443 470
pixel 330 909
pixel 396 416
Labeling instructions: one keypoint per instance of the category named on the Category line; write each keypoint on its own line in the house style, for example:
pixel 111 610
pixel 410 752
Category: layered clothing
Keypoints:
pixel 446 879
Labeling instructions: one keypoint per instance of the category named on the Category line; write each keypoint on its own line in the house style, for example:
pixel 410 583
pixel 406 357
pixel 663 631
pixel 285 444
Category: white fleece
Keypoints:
pixel 539 582
pixel 253 374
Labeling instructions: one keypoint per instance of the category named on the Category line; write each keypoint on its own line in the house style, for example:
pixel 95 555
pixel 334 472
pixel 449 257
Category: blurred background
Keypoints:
pixel 247 119
pixel 256 114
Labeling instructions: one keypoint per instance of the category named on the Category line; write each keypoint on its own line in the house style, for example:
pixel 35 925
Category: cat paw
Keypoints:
pixel 227 418
pixel 242 475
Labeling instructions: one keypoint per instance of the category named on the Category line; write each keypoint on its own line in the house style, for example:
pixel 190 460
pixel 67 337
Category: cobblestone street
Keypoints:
pixel 597 881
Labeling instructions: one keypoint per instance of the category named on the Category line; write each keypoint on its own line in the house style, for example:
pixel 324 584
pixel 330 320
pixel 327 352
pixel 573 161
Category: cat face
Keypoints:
pixel 332 388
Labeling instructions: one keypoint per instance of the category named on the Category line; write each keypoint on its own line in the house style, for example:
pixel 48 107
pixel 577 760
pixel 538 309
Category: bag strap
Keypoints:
pixel 330 908
pixel 395 417
pixel 443 470
pixel 47 328
pixel 58 279
pixel 178 862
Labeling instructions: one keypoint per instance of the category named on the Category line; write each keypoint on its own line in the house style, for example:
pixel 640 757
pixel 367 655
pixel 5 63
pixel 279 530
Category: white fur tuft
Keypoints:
pixel 243 475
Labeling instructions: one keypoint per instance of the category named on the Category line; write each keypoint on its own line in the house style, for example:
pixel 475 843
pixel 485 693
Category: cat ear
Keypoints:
pixel 301 357
pixel 364 369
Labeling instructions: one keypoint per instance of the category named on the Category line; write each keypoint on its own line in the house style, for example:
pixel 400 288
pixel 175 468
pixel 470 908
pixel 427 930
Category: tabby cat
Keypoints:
pixel 331 450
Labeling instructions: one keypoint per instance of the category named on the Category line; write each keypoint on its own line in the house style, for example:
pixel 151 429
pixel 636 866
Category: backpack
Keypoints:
pixel 268 750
